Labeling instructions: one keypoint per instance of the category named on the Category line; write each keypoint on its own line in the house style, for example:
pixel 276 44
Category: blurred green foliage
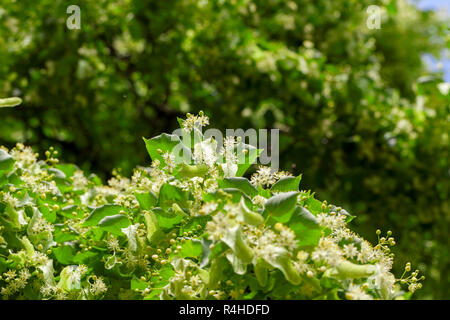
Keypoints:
pixel 357 112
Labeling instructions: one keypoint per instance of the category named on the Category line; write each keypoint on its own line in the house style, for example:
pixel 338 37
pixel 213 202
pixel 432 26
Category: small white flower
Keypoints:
pixel 10 199
pixel 79 181
pixel 218 227
pixel 264 177
pixel 350 250
pixel 169 160
pixel 98 287
pixel 356 292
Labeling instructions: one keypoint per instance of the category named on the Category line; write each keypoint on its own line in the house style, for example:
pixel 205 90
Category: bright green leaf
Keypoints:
pixel 99 213
pixel 114 223
pixel 6 161
pixel 286 184
pixel 239 183
pixel 282 205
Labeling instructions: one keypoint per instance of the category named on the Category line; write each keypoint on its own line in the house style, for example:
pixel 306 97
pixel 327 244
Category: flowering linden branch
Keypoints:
pixel 181 230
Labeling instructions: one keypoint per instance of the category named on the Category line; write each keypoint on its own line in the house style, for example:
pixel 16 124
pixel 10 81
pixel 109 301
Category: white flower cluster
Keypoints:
pixel 265 176
pixel 16 282
pixel 193 121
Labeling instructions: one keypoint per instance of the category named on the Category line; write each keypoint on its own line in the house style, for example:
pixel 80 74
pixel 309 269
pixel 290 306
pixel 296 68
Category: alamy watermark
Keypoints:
pixel 73 22
pixel 374 17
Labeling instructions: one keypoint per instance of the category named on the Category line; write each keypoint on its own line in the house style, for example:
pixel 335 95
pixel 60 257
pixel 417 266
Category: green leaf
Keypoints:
pixel 209 254
pixel 114 224
pixel 47 272
pixel 152 226
pixel 264 192
pixel 392 8
pixel 239 183
pixel 206 252
pixel 261 272
pixel 238 265
pixel 349 270
pixel 68 169
pixel 147 200
pixel 282 205
pixel 93 178
pixel 64 254
pixel 61 237
pixel 49 215
pixel 286 184
pixel 138 284
pixel 86 257
pixel 28 246
pixel 3 267
pixel 99 213
pixel 168 194
pixel 190 171
pixel 234 239
pixel 250 295
pixel 195 223
pixel 163 143
pixel 6 161
pixel 58 174
pixel 167 219
pixel 305 226
pixel 3 178
pixel 216 271
pixel 303 215
pixel 161 280
pixel 248 216
pixel 68 211
pixel 10 102
pixel 191 248
pixel 11 218
pixel 280 259
pixel 314 205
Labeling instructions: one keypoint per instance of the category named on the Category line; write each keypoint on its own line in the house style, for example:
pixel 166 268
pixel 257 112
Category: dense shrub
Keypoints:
pixel 186 228
pixel 354 119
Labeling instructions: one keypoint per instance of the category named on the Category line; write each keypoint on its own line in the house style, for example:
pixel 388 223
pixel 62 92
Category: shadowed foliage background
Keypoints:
pixel 360 116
